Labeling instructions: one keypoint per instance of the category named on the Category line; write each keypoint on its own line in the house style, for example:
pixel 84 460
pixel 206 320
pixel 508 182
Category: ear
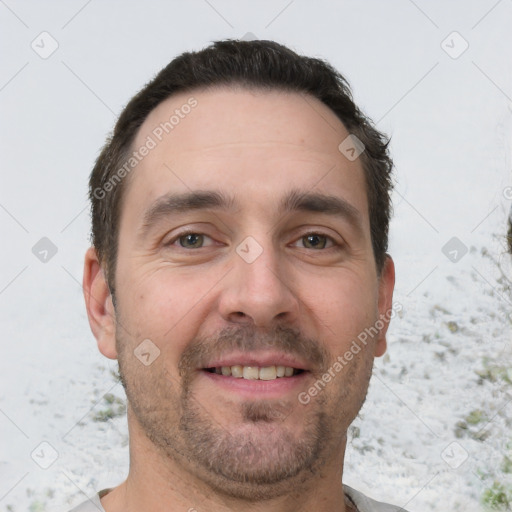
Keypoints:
pixel 98 302
pixel 386 287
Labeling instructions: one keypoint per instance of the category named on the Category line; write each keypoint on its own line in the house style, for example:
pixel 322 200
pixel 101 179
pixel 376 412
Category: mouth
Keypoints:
pixel 257 375
pixel 239 371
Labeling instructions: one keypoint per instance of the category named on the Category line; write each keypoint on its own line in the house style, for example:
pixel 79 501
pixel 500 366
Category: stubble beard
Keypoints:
pixel 260 457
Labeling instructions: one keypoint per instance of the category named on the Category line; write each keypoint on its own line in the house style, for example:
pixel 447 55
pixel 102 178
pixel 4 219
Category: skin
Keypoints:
pixel 195 444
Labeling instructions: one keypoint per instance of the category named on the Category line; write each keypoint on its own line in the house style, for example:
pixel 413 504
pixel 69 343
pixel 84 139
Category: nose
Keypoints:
pixel 259 292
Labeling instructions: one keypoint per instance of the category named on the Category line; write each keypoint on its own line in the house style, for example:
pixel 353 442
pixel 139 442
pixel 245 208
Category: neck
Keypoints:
pixel 158 483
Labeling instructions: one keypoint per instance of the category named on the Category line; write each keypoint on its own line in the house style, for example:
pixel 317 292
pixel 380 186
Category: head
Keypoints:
pixel 230 225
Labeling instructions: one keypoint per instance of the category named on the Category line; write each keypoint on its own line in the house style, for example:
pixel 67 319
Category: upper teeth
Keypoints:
pixel 255 372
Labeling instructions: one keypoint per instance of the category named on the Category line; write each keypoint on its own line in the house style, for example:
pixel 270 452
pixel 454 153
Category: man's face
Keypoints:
pixel 274 278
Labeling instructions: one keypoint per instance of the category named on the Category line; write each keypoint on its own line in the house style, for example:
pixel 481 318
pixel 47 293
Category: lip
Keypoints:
pixel 257 389
pixel 261 359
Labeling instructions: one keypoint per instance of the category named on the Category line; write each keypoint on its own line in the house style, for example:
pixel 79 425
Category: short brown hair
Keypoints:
pixel 259 64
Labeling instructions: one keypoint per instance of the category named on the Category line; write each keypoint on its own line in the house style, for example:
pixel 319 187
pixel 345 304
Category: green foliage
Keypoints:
pixel 495 372
pixel 470 426
pixel 506 465
pixel 475 417
pixel 453 326
pixel 115 407
pixel 498 497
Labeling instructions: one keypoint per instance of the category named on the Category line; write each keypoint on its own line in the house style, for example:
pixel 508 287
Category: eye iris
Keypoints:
pixel 314 240
pixel 194 239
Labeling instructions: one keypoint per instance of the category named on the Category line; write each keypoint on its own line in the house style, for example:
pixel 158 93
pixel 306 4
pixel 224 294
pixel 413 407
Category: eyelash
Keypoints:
pixel 335 244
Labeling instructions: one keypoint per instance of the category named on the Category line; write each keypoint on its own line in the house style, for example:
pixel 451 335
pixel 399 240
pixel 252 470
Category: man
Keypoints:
pixel 239 274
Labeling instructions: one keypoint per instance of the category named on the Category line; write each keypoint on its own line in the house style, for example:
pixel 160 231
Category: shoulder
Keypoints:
pixel 365 504
pixel 92 504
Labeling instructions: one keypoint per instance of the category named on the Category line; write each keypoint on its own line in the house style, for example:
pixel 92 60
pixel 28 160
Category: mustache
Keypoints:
pixel 249 339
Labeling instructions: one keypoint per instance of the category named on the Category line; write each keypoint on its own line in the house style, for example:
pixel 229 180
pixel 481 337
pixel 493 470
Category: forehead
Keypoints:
pixel 237 115
pixel 244 140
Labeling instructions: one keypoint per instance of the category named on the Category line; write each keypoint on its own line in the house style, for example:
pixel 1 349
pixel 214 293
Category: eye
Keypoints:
pixel 195 240
pixel 190 240
pixel 317 241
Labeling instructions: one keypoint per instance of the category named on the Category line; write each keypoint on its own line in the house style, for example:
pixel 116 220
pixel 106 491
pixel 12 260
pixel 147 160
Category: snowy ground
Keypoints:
pixel 451 122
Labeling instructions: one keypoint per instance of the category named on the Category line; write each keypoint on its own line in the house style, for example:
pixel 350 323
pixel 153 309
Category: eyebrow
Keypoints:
pixel 296 200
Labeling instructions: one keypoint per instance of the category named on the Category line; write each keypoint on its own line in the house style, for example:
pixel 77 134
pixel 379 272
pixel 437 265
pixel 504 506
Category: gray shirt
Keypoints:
pixel 362 502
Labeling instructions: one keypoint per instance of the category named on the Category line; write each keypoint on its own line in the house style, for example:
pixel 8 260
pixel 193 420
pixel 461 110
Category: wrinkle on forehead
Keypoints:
pixel 274 151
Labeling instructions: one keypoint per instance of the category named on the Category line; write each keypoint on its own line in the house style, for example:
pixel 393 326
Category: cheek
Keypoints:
pixel 165 308
pixel 343 304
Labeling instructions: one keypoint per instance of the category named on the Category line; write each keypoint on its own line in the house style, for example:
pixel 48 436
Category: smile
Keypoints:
pixel 255 372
